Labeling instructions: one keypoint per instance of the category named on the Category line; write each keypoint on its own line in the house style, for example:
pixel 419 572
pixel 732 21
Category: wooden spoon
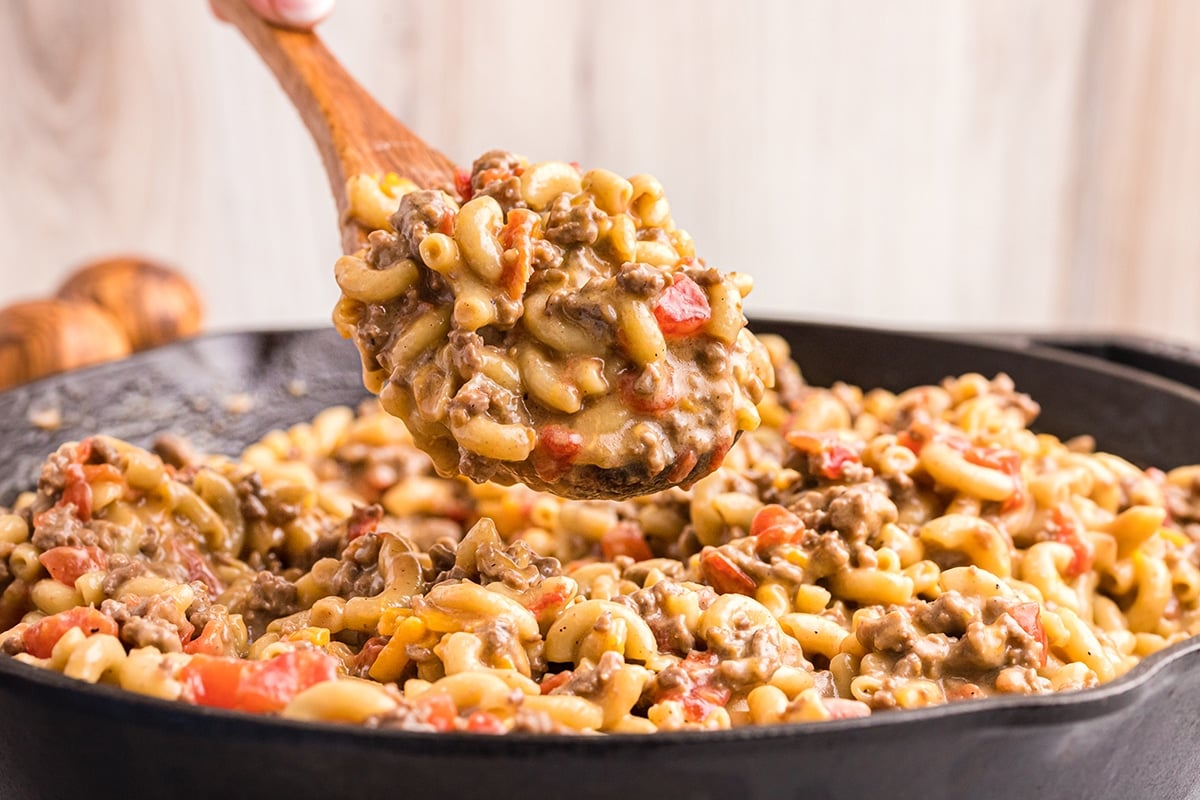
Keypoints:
pixel 354 134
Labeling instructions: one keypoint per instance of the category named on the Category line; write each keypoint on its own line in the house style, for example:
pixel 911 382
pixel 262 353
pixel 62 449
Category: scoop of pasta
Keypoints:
pixel 550 326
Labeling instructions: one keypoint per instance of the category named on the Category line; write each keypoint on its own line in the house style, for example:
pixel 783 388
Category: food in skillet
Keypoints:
pixel 861 552
pixel 552 327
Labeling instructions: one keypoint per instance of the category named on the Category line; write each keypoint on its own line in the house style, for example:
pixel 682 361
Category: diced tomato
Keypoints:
pixel 555 680
pixel 772 516
pixel 556 449
pixel 65 564
pixel 441 712
pixel 774 525
pixel 625 539
pixel 833 455
pixel 198 569
pixel 834 460
pixel 462 185
pixel 83 451
pixel 560 442
pixel 40 637
pixel 682 308
pixel 209 642
pixel 683 466
pixel 272 686
pixel 844 708
pixel 719 572
pixel 916 436
pixel 102 473
pixel 485 722
pixel 77 492
pixel 1001 460
pixel 704 695
pixel 1029 617
pixel 1064 529
pixel 256 686
pixel 664 396
pixel 363 520
pixel 516 237
pixel 492 175
pixel 548 599
pixel 213 680
pixel 703 700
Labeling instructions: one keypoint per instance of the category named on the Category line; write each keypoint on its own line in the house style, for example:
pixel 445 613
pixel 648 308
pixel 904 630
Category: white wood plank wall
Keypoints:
pixel 984 164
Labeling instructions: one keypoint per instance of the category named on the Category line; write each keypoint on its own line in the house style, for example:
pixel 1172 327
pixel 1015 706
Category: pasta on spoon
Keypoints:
pixel 550 326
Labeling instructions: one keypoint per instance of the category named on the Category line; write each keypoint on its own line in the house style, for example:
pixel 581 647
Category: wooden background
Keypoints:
pixel 984 164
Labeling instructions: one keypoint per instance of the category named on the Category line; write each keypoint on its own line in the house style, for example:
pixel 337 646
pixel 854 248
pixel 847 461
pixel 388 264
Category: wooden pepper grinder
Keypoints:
pixel 104 310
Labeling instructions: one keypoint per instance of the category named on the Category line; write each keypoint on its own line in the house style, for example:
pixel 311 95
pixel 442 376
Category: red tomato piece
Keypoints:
pixel 704 695
pixel 682 308
pixel 556 449
pixel 213 680
pixel 547 600
pixel 40 637
pixel 363 520
pixel 1029 617
pixel 560 442
pixel 83 451
pixel 833 455
pixel 1001 460
pixel 625 539
pixel 516 237
pixel 198 569
pixel 65 564
pixel 209 642
pixel 664 396
pixel 272 684
pixel 102 472
pixel 774 525
pixel 462 185
pixel 77 492
pixel 916 436
pixel 552 682
pixel 834 460
pixel 773 516
pixel 485 722
pixel 441 712
pixel 719 572
pixel 255 686
pixel 1064 529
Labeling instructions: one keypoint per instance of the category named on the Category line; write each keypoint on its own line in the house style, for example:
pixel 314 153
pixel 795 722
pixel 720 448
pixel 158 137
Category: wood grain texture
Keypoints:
pixel 994 164
pixel 354 134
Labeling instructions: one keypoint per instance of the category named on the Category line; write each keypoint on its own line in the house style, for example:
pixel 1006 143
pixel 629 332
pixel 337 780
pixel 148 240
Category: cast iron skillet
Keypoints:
pixel 1133 738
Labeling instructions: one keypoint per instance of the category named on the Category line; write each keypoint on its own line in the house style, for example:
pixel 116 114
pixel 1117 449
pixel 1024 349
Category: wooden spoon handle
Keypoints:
pixel 354 134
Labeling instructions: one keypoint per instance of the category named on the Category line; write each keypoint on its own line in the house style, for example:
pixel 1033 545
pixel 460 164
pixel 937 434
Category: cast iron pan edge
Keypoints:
pixel 1130 738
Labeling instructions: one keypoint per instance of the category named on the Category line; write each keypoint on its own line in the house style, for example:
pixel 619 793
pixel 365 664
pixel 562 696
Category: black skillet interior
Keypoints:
pixel 1134 738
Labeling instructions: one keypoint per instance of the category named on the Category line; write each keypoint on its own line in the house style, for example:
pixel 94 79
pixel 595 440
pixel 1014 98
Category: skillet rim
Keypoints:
pixel 1029 710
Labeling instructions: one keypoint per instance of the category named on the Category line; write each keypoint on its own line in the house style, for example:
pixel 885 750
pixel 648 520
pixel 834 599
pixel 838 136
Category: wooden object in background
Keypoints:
pixel 354 134
pixel 152 304
pixel 104 310
pixel 41 337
